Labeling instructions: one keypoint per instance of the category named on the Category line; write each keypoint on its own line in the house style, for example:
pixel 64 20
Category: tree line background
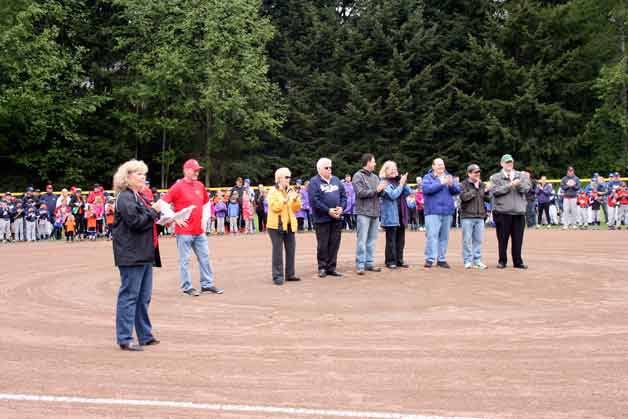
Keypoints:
pixel 247 86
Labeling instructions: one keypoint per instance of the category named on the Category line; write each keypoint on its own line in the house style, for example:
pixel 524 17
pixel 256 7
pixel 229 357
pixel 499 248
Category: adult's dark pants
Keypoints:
pixel 282 240
pixel 395 243
pixel 328 237
pixel 530 214
pixel 544 208
pixel 510 227
pixel 261 219
pixel 136 288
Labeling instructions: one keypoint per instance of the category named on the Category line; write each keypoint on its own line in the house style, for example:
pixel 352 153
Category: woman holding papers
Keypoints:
pixel 283 203
pixel 135 252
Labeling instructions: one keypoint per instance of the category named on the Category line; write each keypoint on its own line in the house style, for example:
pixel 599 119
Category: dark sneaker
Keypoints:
pixel 428 264
pixel 360 271
pixel 293 279
pixel 213 290
pixel 391 266
pixel 322 273
pixel 374 268
pixel 443 265
pixel 522 266
pixel 278 281
pixel 193 292
pixel 133 347
pixel 151 342
pixel 501 266
pixel 334 273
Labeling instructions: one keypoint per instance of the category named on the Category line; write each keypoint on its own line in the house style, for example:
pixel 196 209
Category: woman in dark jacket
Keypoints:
pixel 135 252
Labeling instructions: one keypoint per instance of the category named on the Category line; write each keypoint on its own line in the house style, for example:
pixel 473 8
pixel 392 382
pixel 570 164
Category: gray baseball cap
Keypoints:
pixel 473 168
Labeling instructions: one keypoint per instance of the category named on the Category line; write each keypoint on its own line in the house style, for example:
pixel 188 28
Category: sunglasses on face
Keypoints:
pixel 477 171
pixel 287 177
pixel 327 168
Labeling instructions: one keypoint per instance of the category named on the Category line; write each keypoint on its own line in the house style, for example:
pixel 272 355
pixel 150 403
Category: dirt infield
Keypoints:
pixel 550 342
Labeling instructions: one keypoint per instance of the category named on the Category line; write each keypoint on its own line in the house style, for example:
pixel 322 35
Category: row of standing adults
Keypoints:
pixel 380 200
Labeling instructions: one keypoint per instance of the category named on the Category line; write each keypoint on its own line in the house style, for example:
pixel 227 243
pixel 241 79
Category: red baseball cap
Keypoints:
pixel 192 164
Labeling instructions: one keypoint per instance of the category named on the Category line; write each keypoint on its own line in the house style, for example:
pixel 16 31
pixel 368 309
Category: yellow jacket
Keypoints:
pixel 280 206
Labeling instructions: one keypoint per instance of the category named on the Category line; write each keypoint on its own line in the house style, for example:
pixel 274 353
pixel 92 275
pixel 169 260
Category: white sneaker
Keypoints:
pixel 468 265
pixel 565 227
pixel 480 265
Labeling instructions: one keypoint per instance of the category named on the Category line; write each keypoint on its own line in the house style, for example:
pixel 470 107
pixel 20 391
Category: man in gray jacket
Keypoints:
pixel 570 185
pixel 508 191
pixel 367 188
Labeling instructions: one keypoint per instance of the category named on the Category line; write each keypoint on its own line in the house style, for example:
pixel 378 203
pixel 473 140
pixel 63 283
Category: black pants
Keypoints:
pixel 421 218
pixel 328 237
pixel 544 208
pixel 395 243
pixel 282 239
pixel 261 219
pixel 349 222
pixel 300 224
pixel 510 227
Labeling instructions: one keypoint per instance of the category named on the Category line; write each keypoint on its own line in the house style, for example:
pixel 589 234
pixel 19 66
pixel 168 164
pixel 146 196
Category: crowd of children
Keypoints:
pixel 72 215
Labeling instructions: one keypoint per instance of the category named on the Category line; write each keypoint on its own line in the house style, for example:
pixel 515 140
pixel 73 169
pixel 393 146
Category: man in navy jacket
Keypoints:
pixel 327 200
pixel 439 188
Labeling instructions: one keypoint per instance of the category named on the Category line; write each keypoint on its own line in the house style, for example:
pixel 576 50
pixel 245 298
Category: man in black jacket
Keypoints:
pixel 327 200
pixel 473 214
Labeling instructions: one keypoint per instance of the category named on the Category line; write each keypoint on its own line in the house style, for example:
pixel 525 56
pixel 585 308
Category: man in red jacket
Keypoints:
pixel 187 192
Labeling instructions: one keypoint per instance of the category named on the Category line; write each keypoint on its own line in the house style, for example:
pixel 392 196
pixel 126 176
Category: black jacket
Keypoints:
pixel 472 200
pixel 133 232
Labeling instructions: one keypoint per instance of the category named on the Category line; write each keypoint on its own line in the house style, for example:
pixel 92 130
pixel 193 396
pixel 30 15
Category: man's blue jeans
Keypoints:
pixel 437 232
pixel 198 243
pixel 366 229
pixel 136 288
pixel 472 237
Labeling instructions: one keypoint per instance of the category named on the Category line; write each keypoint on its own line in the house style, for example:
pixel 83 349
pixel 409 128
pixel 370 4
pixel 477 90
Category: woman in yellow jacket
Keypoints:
pixel 283 203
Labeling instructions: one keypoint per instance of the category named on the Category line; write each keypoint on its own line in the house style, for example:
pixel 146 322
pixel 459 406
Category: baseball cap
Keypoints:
pixel 299 181
pixel 30 189
pixel 473 168
pixel 192 164
pixel 507 158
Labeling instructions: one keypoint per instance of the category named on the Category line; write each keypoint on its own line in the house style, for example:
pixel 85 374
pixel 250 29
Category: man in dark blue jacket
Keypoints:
pixel 50 199
pixel 439 188
pixel 327 200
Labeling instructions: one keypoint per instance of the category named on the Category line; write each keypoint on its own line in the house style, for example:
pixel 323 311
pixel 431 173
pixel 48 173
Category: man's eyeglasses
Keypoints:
pixel 327 168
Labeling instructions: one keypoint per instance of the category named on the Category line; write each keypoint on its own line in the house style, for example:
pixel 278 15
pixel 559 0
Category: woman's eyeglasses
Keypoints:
pixel 287 177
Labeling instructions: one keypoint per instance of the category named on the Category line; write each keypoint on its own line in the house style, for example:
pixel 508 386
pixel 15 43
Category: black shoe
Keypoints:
pixel 293 279
pixel 403 265
pixel 212 289
pixel 391 266
pixel 360 271
pixel 151 342
pixel 334 273
pixel 374 268
pixel 192 292
pixel 133 347
pixel 278 281
pixel 443 265
pixel 522 266
pixel 322 273
pixel 428 264
pixel 501 266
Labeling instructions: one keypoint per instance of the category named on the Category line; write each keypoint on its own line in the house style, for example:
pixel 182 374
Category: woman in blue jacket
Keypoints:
pixel 394 213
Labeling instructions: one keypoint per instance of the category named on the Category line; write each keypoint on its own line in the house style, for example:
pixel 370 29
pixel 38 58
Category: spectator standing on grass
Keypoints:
pixel 420 204
pixel 570 185
pixel 508 190
pixel 394 214
pixel 348 213
pixel 602 195
pixel 135 252
pixel 531 202
pixel 50 199
pixel 327 200
pixel 368 189
pixel 220 210
pixel 259 208
pixel 233 211
pixel 544 193
pixel 238 188
pixel 5 222
pixel 77 206
pixel 583 202
pixel 283 204
pixel 473 213
pixel 189 192
pixel 247 212
pixel 439 190
pixel 70 227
